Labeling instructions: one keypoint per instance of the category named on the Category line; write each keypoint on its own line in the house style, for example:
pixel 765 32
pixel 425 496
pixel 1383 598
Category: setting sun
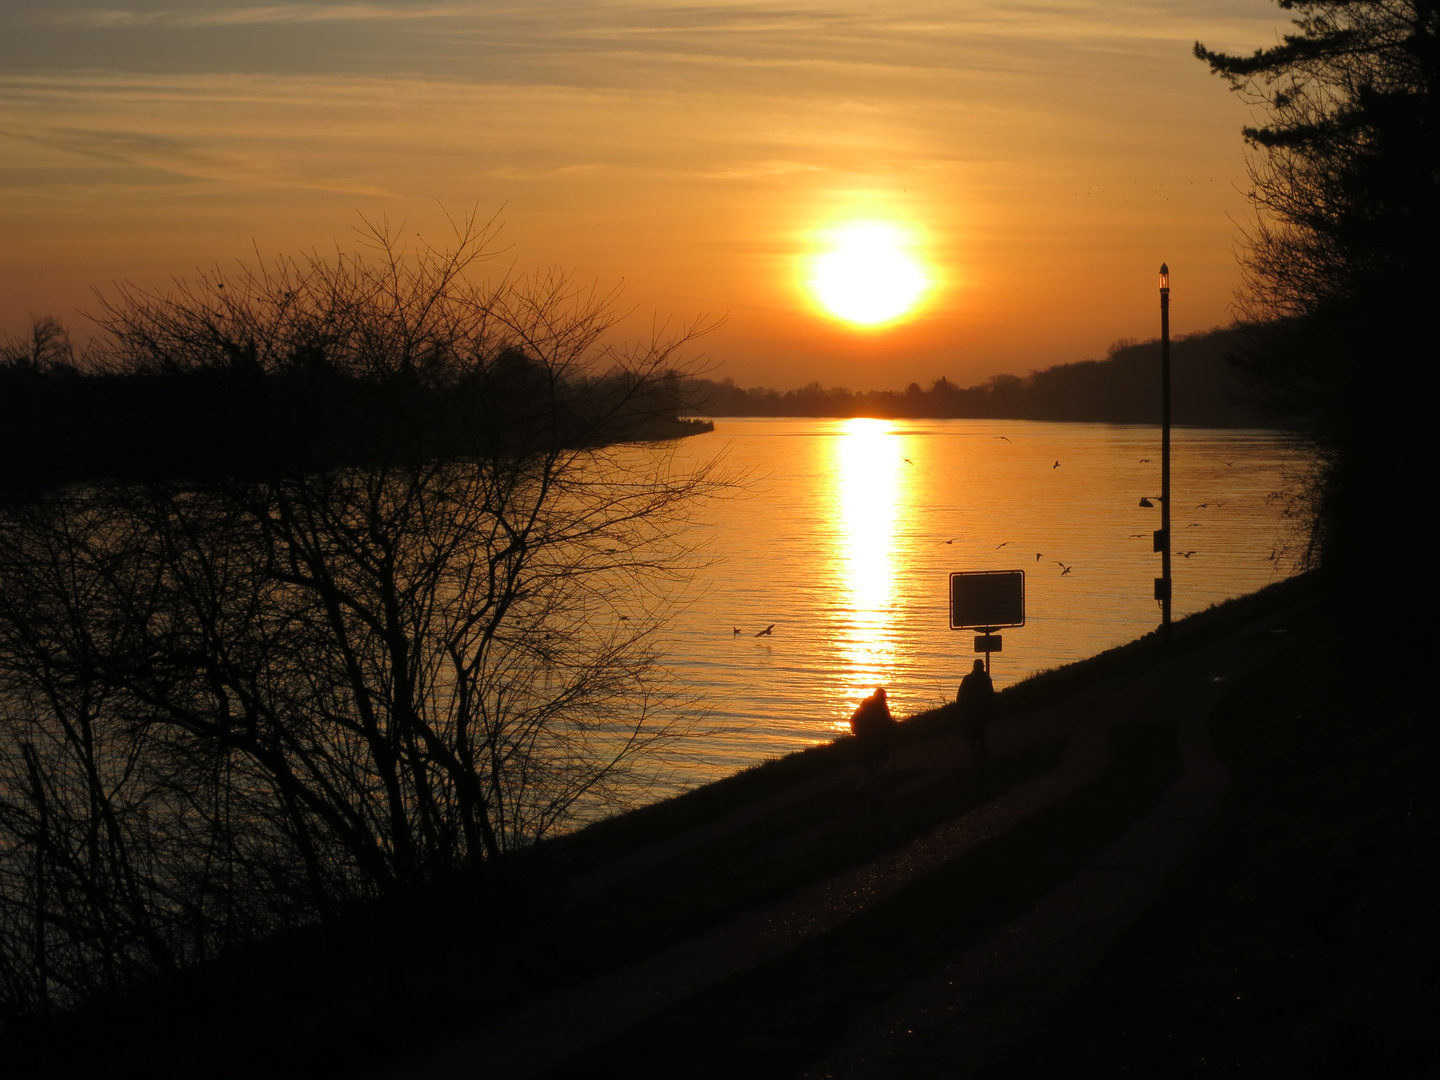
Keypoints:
pixel 867 275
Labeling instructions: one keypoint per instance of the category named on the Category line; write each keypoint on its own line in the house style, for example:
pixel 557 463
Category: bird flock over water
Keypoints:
pixel 1146 501
pixel 1066 569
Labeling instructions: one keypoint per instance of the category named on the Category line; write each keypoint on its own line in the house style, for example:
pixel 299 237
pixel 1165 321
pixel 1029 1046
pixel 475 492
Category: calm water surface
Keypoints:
pixel 849 529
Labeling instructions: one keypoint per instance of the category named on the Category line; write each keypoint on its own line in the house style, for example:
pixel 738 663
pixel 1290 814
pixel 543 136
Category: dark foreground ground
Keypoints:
pixel 1218 858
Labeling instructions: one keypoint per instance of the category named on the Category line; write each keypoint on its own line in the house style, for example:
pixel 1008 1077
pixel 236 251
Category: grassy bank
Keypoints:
pixel 770 1020
pixel 651 824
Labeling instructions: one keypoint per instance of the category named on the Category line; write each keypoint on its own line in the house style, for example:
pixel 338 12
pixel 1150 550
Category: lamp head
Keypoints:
pixel 1164 277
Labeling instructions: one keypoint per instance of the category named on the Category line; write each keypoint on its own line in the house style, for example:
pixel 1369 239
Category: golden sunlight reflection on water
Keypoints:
pixel 870 480
pixel 849 529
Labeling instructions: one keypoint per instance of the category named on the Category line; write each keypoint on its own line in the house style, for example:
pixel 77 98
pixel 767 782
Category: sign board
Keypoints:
pixel 988 643
pixel 987 599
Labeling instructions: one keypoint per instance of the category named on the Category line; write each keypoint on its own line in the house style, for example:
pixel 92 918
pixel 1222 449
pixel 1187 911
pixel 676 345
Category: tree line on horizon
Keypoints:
pixel 1124 388
pixel 251 408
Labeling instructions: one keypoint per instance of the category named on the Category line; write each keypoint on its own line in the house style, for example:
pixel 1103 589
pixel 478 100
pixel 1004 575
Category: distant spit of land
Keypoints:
pixel 60 423
pixel 1124 388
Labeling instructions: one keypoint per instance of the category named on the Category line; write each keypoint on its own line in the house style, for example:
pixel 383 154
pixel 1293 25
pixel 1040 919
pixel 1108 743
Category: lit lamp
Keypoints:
pixel 1162 536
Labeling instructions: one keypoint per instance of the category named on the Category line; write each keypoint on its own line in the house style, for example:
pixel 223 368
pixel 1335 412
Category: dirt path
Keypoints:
pixel 978 1007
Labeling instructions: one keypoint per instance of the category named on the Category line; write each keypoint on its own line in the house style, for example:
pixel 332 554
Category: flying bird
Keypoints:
pixel 907 461
pixel 735 631
pixel 1138 536
pixel 1144 461
pixel 1056 465
pixel 767 631
pixel 1194 525
pixel 1006 544
pixel 1231 462
pixel 1066 570
pixel 1037 556
pixel 1185 554
pixel 1001 437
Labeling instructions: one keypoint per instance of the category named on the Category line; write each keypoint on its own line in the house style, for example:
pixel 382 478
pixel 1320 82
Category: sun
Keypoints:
pixel 867 276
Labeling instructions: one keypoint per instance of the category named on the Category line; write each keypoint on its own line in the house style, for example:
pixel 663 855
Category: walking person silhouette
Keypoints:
pixel 976 703
pixel 874 730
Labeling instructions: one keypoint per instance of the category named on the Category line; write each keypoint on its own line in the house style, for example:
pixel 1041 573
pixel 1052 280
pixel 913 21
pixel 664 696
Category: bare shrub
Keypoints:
pixel 385 609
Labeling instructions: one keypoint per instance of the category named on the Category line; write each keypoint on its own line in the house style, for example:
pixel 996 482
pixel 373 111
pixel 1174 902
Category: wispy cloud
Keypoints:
pixel 130 132
pixel 561 19
pixel 98 18
pixel 689 146
pixel 792 47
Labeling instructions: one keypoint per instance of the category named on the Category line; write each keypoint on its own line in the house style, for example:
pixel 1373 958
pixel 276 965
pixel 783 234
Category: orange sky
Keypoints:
pixel 1045 156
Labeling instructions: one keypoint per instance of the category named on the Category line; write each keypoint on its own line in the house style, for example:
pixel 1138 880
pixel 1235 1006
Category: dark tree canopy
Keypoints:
pixel 1346 170
pixel 1341 258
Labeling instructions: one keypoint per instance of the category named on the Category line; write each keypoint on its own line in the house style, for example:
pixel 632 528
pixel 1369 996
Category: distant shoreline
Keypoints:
pixel 711 418
pixel 1207 391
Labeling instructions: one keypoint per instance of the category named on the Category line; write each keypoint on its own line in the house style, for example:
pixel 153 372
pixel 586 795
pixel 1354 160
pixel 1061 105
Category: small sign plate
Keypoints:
pixel 988 643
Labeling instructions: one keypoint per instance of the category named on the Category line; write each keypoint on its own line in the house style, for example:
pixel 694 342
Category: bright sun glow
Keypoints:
pixel 867 276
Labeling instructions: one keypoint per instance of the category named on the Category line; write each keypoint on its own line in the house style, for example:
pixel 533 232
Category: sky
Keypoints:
pixel 1032 163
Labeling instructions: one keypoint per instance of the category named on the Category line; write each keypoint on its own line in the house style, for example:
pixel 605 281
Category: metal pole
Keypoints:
pixel 1165 449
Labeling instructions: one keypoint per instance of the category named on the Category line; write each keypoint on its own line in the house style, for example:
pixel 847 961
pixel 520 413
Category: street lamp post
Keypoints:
pixel 1162 538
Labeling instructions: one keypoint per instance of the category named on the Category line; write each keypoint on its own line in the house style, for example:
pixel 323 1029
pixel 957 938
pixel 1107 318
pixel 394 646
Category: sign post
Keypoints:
pixel 1162 538
pixel 987 600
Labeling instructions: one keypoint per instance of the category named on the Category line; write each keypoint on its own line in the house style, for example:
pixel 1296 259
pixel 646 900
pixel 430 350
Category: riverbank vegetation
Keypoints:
pixel 1340 271
pixel 348 591
pixel 294 368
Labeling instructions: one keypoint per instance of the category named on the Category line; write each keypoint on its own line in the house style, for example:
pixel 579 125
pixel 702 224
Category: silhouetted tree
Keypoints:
pixel 47 348
pixel 410 630
pixel 1341 260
